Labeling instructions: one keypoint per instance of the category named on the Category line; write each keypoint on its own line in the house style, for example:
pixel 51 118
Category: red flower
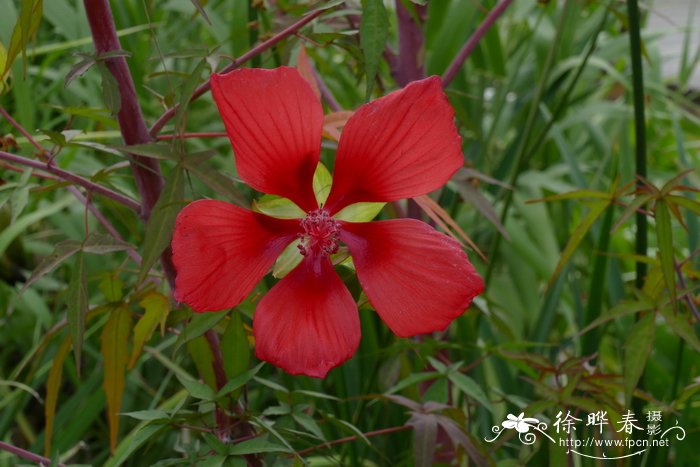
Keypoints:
pixel 399 146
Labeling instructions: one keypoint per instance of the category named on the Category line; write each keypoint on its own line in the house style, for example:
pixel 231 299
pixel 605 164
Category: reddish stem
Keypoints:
pixel 408 65
pixel 369 434
pixel 71 177
pixel 24 454
pixel 473 40
pixel 131 123
pixel 21 129
pixel 254 52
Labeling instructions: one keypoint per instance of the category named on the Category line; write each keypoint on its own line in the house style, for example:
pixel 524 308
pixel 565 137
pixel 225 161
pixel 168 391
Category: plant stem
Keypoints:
pixel 408 66
pixel 24 454
pixel 21 129
pixel 212 134
pixel 254 52
pixel 71 177
pixel 383 431
pixel 131 123
pixel 149 180
pixel 472 42
pixel 639 131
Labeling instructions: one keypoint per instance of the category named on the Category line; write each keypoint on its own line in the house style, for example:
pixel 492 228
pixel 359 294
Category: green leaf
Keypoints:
pixel 255 445
pixel 638 345
pixel 79 69
pixel 53 384
pixel 203 359
pixel 196 389
pixel 157 308
pixel 412 379
pixel 622 309
pixel 238 381
pixel 374 32
pixel 112 287
pixel 681 326
pixel 198 325
pixel 322 183
pixel 276 206
pixel 359 212
pixel 201 11
pixel 159 229
pixel 187 89
pixel 309 424
pixel 153 414
pixel 100 244
pixel 664 236
pixel 9 233
pixel 62 251
pixel 596 209
pixel 110 89
pixel 115 341
pixel 214 179
pixel 470 388
pixel 288 260
pixel 20 196
pixel 690 204
pixel 25 28
pixel 77 301
pixel 424 438
pixel 235 350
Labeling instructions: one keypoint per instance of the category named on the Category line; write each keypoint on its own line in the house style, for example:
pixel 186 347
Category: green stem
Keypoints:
pixel 639 131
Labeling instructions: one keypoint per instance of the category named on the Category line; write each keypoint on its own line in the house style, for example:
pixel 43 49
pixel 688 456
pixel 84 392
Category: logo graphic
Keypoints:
pixel 528 427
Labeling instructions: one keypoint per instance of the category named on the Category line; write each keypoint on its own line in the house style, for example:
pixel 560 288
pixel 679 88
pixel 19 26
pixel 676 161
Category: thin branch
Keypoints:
pixel 44 154
pixel 472 42
pixel 369 434
pixel 254 52
pixel 24 454
pixel 210 134
pixel 131 123
pixel 21 129
pixel 71 177
pixel 326 92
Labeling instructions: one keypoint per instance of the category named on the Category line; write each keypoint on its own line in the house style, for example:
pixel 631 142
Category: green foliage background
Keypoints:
pixel 544 104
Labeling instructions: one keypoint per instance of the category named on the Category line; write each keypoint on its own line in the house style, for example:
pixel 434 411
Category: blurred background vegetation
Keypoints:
pixel 549 193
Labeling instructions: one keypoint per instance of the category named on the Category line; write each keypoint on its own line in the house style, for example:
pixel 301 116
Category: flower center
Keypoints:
pixel 320 235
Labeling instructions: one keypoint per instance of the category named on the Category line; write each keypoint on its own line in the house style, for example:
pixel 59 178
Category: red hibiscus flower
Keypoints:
pixel 399 146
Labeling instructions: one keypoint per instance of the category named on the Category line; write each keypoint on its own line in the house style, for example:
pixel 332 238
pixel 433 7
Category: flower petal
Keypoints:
pixel 399 146
pixel 417 278
pixel 308 322
pixel 221 251
pixel 274 121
